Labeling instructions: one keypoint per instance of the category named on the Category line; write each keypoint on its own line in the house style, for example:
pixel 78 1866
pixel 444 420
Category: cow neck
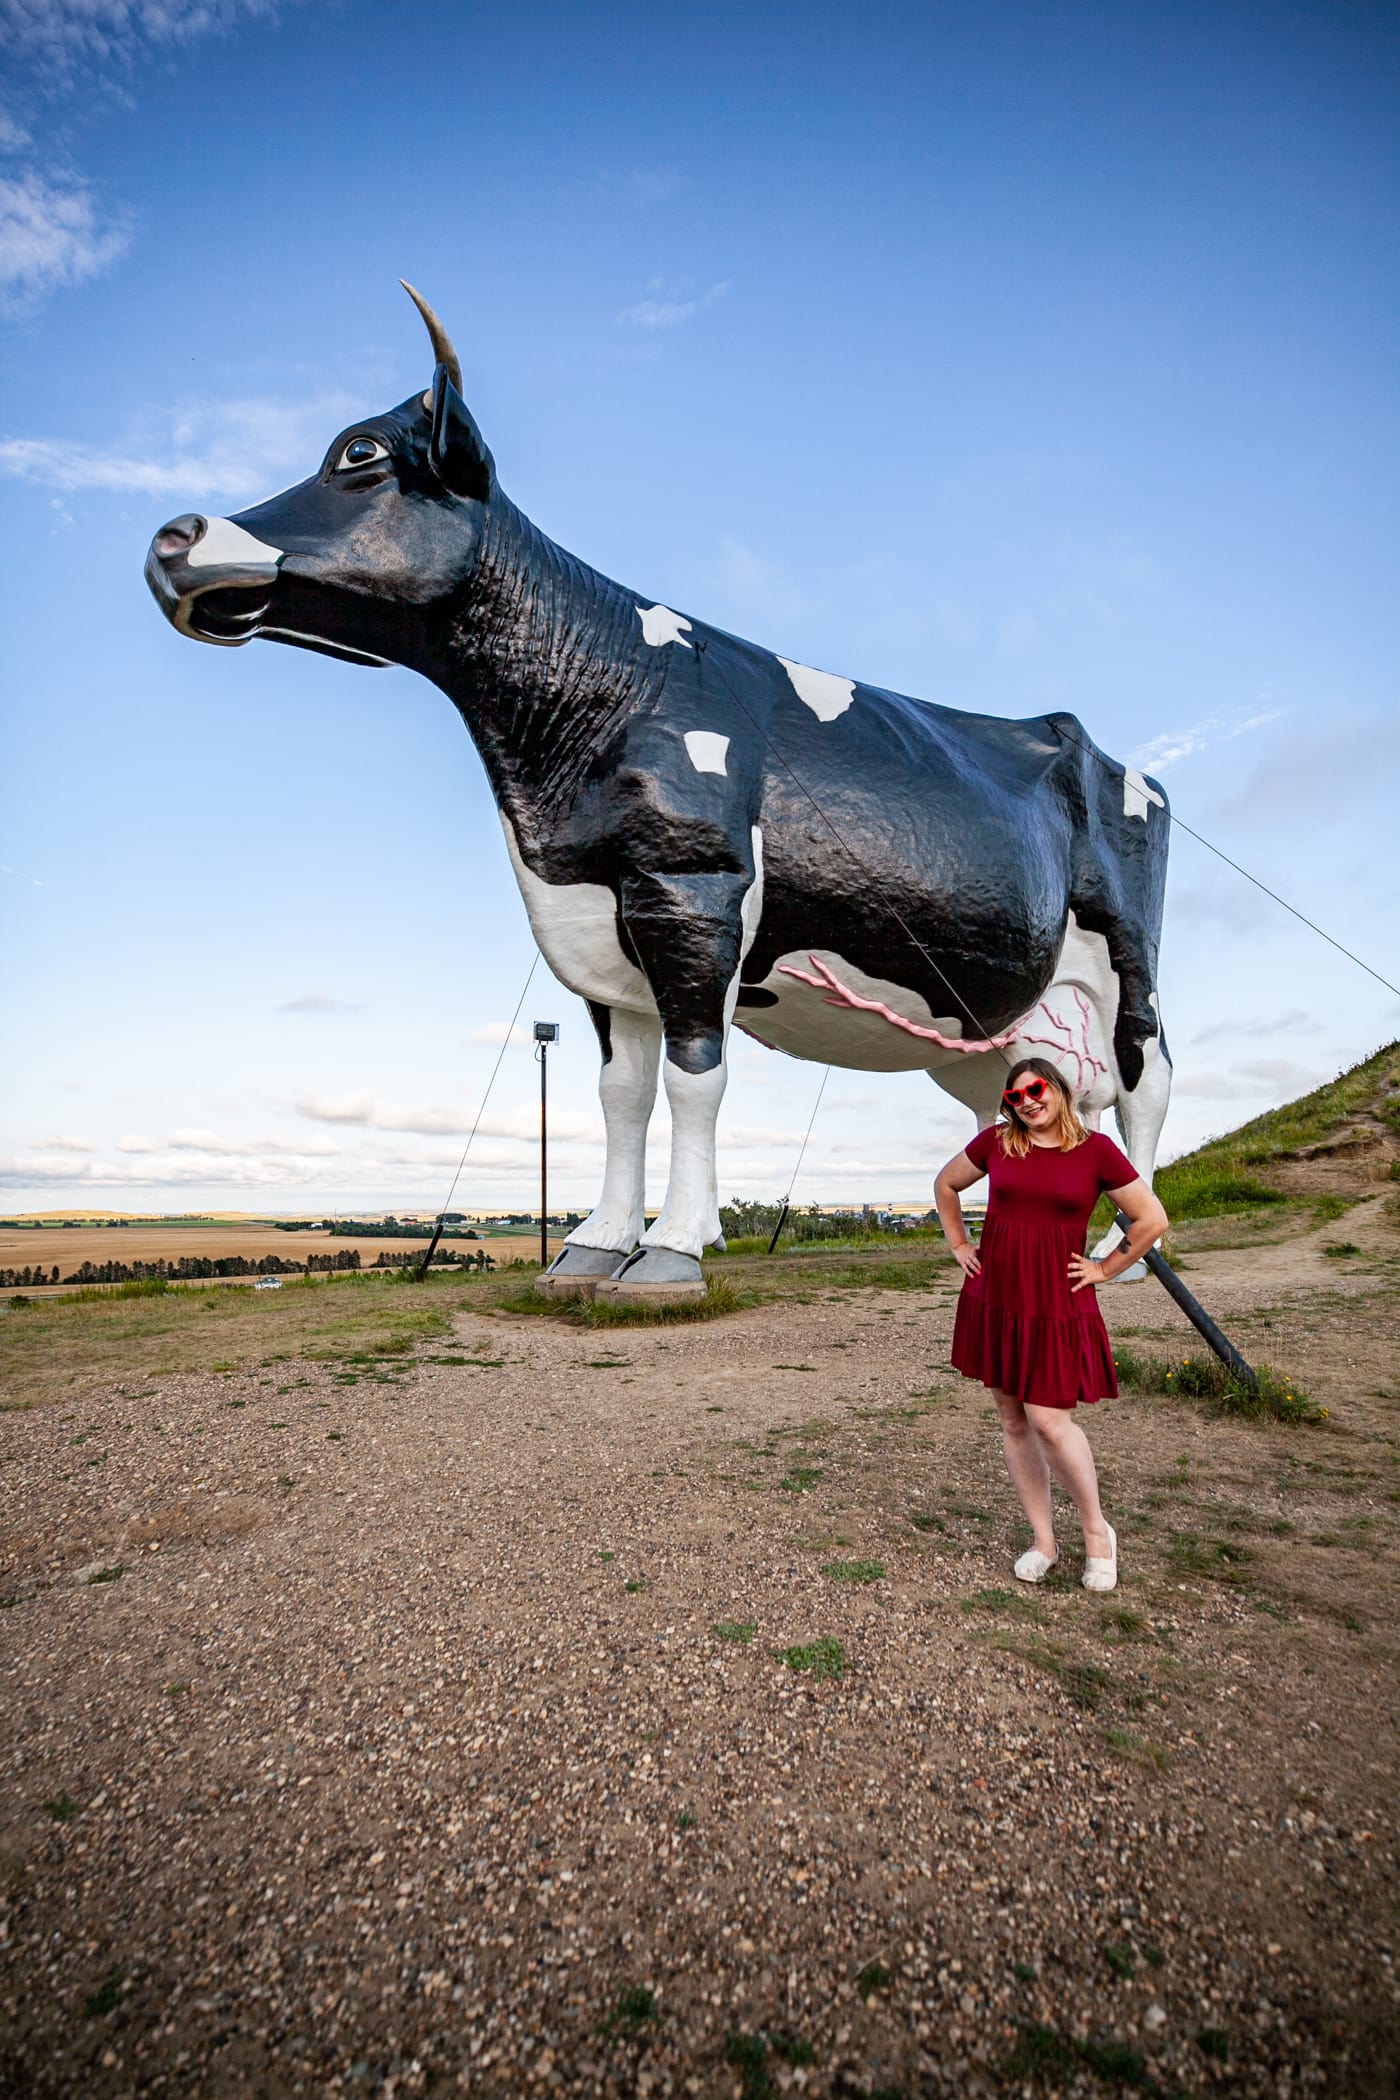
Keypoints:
pixel 542 664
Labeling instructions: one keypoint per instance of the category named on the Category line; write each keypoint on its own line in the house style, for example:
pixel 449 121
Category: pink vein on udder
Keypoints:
pixel 839 994
pixel 1067 1046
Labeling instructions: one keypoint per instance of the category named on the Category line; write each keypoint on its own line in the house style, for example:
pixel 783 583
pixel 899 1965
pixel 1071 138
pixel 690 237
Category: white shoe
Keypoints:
pixel 1033 1566
pixel 1102 1574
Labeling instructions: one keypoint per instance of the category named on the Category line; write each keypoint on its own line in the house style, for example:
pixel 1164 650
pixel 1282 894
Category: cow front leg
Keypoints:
pixel 631 1046
pixel 688 934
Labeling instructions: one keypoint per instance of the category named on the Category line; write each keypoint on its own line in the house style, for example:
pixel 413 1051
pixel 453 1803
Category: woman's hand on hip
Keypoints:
pixel 967 1259
pixel 1082 1271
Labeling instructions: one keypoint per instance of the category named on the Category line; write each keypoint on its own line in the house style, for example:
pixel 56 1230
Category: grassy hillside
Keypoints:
pixel 1343 1138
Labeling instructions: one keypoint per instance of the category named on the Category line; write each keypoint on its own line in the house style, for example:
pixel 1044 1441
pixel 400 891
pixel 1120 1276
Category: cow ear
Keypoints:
pixel 458 451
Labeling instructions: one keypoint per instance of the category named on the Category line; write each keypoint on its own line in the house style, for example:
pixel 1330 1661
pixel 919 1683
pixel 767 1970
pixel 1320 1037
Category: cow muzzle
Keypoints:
pixel 211 579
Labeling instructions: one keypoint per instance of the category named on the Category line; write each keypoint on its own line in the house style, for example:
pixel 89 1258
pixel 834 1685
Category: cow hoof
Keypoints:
pixel 654 1276
pixel 574 1260
pixel 576 1272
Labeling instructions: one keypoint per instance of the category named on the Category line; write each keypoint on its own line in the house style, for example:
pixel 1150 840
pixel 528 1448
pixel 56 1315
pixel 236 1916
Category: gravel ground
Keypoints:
pixel 439 1732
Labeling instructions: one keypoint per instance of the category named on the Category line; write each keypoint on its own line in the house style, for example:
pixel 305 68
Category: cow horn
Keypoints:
pixel 441 340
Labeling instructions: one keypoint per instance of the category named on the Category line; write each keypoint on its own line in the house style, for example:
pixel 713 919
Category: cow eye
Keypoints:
pixel 361 452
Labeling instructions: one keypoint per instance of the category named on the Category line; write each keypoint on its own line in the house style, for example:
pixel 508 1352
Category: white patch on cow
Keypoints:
pixel 751 912
pixel 227 546
pixel 575 925
pixel 706 750
pixel 1137 795
pixel 660 625
pixel 827 695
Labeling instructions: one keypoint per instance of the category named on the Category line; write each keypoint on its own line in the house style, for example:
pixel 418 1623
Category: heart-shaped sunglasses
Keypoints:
pixel 1033 1091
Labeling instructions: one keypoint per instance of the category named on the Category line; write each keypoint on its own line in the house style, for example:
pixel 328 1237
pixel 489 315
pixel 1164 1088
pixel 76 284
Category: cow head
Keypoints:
pixel 351 561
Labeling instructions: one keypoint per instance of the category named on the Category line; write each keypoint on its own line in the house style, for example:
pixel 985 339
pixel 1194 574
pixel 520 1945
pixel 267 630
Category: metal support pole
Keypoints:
pixel 1196 1313
pixel 544 1160
pixel 432 1247
pixel 782 1220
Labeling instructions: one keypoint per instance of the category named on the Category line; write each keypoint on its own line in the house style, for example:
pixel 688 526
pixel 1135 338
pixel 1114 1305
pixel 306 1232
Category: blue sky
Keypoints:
pixel 1019 357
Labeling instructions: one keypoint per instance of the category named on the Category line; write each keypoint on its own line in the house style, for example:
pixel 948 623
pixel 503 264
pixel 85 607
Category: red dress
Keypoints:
pixel 1018 1326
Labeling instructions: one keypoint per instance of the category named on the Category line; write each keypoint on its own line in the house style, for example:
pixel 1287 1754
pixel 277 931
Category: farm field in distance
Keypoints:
pixel 167 1239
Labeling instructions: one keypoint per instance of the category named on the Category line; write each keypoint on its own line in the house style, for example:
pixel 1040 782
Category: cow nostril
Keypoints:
pixel 180 535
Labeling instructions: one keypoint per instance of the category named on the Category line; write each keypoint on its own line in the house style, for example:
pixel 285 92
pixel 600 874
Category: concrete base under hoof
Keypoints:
pixel 620 1290
pixel 550 1286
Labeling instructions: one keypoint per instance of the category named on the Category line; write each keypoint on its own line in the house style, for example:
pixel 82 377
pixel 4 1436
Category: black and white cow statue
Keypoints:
pixel 705 833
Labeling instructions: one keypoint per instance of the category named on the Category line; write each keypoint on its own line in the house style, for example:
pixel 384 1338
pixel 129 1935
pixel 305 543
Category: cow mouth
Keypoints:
pixel 229 613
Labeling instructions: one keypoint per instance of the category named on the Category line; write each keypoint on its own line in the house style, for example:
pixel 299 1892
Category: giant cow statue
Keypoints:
pixel 704 832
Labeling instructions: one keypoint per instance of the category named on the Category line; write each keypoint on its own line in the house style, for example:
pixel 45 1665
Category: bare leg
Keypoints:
pixel 1030 1476
pixel 1066 1449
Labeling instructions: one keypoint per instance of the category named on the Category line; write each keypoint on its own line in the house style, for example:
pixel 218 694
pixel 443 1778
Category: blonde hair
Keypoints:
pixel 1070 1129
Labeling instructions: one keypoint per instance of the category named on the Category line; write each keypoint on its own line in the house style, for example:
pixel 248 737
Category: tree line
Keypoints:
pixel 189 1268
pixel 193 1268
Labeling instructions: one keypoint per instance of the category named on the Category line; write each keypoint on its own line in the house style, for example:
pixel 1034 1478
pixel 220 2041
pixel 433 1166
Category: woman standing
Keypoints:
pixel 1028 1322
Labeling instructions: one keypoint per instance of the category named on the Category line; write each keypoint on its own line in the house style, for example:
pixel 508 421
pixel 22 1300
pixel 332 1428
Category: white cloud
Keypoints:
pixel 241 448
pixel 665 307
pixel 427 1119
pixel 1294 1022
pixel 493 1034
pixel 337 1108
pixel 63 1142
pixel 53 233
pixel 318 1003
pixel 1264 1080
pixel 59 36
pixel 736 1136
pixel 210 1143
pixel 1173 745
pixel 1319 776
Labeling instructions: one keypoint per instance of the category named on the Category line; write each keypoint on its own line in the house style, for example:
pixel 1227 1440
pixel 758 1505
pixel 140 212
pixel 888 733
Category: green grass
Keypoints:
pixel 1083 1682
pixel 873 1977
pixel 108 1995
pixel 822 1659
pixel 748 2053
pixel 635 2005
pixel 1203 1377
pixel 739 1630
pixel 854 1570
pixel 1230 1173
pixel 992 1600
pixel 1042 2053
pixel 800 1480
pixel 63 1347
pixel 1209 1559
pixel 721 1297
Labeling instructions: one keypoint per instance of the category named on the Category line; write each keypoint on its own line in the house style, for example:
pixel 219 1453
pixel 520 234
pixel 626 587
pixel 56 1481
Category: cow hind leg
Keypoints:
pixel 631 1044
pixel 1141 1115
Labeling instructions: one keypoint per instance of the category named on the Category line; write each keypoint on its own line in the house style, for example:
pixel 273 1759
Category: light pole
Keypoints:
pixel 546 1032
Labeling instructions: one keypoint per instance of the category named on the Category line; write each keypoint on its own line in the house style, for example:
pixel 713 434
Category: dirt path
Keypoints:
pixel 440 1732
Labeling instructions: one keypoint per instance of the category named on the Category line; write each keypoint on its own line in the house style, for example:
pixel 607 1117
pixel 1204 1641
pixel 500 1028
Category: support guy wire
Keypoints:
pixel 510 1031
